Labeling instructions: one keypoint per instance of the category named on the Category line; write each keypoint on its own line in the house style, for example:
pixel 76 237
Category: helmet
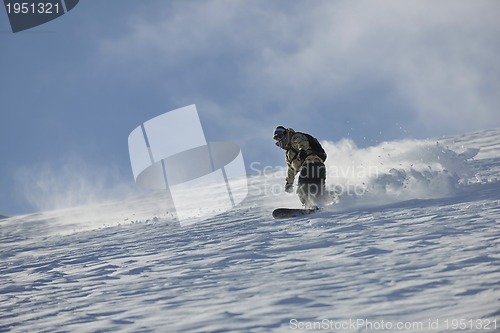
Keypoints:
pixel 280 135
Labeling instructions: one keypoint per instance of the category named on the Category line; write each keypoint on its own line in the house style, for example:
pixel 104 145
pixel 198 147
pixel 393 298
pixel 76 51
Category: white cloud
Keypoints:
pixel 441 57
pixel 437 60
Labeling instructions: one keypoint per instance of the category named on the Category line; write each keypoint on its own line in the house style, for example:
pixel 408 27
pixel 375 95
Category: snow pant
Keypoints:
pixel 311 185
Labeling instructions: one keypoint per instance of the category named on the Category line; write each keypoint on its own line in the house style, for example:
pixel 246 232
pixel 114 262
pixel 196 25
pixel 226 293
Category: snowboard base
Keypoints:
pixel 283 213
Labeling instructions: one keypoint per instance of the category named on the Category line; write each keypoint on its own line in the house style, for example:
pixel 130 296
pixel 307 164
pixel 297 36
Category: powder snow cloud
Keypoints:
pixel 370 71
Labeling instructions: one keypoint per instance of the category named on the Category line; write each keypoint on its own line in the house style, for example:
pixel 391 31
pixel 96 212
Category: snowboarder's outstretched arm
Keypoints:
pixel 299 142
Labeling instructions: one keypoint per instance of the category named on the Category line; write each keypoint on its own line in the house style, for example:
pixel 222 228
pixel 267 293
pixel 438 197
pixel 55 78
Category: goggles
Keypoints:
pixel 280 136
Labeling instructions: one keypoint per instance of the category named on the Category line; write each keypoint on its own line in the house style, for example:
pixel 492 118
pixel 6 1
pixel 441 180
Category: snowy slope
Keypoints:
pixel 414 243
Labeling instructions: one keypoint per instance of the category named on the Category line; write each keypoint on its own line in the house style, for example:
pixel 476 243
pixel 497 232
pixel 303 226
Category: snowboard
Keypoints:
pixel 283 213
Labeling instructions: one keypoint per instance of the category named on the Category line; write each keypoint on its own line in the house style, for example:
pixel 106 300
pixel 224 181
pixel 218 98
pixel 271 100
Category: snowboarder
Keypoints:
pixel 304 156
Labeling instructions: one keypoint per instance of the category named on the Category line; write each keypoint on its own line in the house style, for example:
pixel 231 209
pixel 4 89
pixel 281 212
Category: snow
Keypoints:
pixel 415 241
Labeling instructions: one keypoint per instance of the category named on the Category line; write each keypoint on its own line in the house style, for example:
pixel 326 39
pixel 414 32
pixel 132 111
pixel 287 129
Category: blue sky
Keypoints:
pixel 73 89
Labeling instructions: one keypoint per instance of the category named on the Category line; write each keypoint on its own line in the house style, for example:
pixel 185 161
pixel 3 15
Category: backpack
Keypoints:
pixel 315 146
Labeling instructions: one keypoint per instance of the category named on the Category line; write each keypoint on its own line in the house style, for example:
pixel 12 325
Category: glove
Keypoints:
pixel 288 188
pixel 302 155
